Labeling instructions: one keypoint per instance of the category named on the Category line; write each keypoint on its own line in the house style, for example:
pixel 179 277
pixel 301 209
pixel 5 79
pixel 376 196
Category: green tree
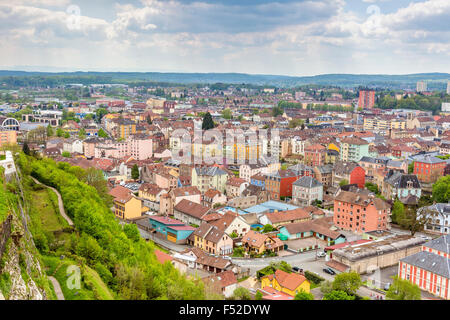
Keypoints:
pixel 66 154
pixel 302 295
pixel 268 228
pixel 398 211
pixel 411 168
pixel 242 293
pixel 413 220
pixel 294 123
pixel 258 295
pixel 135 172
pixel 348 282
pixel 82 133
pixel 372 187
pixel 277 111
pixel 102 134
pixel 132 232
pixel 60 132
pixel 66 135
pixel 403 290
pixel 26 148
pixel 326 287
pixel 338 295
pixel 441 190
pixel 149 120
pixel 227 114
pixel 50 131
pixel 100 113
pixel 208 122
pixel 94 177
pixel 343 182
pixel 233 235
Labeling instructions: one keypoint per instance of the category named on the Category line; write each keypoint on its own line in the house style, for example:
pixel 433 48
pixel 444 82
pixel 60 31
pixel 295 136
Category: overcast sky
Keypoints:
pixel 286 37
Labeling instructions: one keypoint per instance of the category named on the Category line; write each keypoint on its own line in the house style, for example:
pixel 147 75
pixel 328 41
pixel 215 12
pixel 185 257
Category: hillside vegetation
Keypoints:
pixel 125 262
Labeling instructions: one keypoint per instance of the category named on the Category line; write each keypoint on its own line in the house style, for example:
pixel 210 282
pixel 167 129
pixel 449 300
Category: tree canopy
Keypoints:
pixel 227 114
pixel 135 172
pixel 348 282
pixel 102 134
pixel 403 290
pixel 338 295
pixel 208 122
pixel 302 295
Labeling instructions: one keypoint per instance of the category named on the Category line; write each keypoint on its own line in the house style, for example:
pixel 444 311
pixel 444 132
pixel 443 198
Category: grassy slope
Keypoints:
pixel 45 215
pixel 92 286
pixel 44 202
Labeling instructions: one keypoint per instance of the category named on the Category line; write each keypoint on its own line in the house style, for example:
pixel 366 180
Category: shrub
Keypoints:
pixel 313 277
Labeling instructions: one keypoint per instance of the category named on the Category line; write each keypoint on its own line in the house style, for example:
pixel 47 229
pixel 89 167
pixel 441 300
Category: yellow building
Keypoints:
pixel 289 283
pixel 125 128
pixel 129 208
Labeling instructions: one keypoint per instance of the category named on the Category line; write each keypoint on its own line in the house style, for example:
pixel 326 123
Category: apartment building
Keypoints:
pixel 360 212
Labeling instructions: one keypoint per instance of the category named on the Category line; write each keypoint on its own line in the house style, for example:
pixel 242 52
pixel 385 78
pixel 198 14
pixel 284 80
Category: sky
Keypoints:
pixel 281 37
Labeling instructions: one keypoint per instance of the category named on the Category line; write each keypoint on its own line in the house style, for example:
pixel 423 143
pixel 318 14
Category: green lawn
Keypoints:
pixel 46 204
pixel 92 286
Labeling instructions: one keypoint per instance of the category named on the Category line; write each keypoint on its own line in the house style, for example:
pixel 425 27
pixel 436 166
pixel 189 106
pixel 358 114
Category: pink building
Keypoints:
pixel 139 147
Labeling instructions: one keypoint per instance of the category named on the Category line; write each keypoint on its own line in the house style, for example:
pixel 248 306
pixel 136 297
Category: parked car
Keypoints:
pixel 297 269
pixel 329 271
pixel 321 254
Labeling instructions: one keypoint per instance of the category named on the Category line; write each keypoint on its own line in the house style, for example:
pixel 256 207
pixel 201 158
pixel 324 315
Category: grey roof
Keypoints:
pixel 210 171
pixel 400 180
pixel 442 208
pixel 428 159
pixel 393 163
pixel 300 167
pixel 374 160
pixel 430 262
pixel 328 168
pixel 377 247
pixel 342 167
pixel 441 244
pixel 307 182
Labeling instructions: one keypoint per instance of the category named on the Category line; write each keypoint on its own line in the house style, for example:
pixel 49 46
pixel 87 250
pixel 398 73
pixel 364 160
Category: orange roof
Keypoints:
pixel 162 256
pixel 289 281
pixel 120 193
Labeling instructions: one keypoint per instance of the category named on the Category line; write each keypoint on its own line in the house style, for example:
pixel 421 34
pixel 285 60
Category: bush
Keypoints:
pixel 312 277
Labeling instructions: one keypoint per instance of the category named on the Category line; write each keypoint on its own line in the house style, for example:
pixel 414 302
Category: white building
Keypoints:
pixel 306 190
pixel 445 106
pixel 73 146
pixel 439 217
pixel 8 163
pixel 421 86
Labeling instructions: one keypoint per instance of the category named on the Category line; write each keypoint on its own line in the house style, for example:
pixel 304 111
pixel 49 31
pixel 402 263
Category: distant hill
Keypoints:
pixel 435 80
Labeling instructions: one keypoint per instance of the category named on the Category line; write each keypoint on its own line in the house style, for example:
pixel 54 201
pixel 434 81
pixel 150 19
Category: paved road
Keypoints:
pixel 306 261
pixel 163 243
pixel 60 202
pixel 57 287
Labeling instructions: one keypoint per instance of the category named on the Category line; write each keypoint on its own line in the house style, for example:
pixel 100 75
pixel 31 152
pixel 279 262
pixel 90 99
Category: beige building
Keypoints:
pixel 368 257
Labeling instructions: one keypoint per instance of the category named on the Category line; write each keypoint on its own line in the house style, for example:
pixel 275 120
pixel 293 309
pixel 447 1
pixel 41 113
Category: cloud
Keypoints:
pixel 254 36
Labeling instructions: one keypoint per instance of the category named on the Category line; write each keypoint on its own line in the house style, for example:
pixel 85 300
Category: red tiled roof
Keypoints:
pixel 289 281
pixel 162 256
